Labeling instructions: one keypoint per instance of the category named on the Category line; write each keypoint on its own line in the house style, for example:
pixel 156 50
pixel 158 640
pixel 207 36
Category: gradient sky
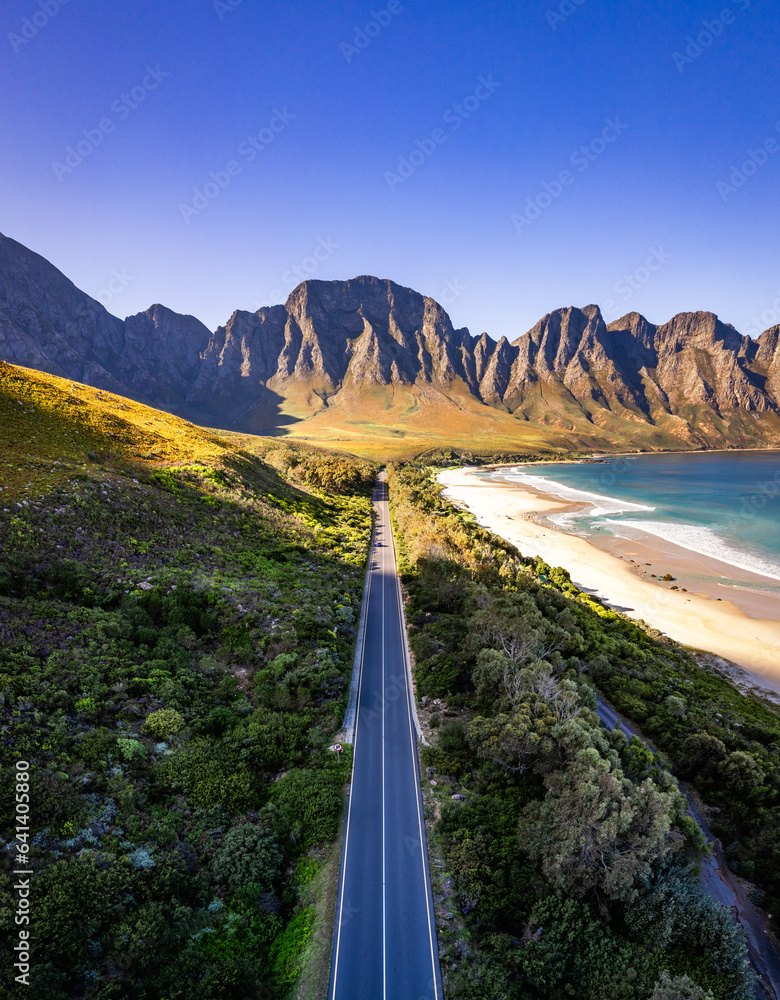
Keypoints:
pixel 688 112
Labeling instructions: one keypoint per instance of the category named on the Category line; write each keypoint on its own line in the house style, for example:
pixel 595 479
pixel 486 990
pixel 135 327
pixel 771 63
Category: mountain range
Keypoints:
pixel 371 364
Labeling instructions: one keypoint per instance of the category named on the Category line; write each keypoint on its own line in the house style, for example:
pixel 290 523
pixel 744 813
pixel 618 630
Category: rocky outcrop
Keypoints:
pixel 766 362
pixel 47 323
pixel 693 380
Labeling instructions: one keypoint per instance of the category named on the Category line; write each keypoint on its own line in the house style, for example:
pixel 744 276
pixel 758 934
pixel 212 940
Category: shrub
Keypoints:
pixel 307 806
pixel 741 773
pixel 164 722
pixel 96 745
pixel 289 946
pixel 210 773
pixel 675 706
pixel 234 791
pixel 249 855
pixel 130 749
pixel 679 988
pixel 219 719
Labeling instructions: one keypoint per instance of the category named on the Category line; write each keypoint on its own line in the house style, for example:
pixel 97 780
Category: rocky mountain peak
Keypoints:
pixel 336 345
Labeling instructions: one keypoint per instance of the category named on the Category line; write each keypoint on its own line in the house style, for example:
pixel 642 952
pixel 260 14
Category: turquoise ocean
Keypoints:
pixel 725 505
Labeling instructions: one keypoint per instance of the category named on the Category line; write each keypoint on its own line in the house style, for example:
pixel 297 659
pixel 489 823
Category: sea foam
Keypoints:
pixel 695 538
pixel 599 505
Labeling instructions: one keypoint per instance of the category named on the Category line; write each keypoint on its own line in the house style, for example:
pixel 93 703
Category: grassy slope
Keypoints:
pixel 387 423
pixel 377 422
pixel 147 564
pixel 46 420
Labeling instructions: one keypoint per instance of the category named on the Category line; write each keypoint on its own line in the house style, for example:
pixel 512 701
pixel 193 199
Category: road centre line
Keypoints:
pixel 384 826
pixel 418 791
pixel 351 789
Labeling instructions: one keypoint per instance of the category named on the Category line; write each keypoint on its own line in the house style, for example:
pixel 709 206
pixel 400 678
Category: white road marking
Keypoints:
pixel 418 792
pixel 384 852
pixel 383 506
pixel 370 576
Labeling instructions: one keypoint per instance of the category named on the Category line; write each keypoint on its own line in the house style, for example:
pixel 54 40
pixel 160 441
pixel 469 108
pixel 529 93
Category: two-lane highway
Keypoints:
pixel 384 943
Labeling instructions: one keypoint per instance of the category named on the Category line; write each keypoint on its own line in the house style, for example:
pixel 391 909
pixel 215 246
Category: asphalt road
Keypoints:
pixel 384 942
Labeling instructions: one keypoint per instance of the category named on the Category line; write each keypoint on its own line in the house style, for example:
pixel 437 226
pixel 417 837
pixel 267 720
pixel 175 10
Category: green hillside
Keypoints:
pixel 177 619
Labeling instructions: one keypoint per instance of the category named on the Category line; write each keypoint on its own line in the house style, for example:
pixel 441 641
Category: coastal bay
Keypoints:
pixel 740 625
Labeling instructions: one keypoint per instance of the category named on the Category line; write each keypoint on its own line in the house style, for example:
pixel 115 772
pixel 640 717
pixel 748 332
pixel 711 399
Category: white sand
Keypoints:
pixel 748 635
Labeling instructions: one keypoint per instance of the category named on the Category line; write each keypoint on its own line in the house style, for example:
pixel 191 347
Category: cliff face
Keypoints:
pixel 334 346
pixel 47 323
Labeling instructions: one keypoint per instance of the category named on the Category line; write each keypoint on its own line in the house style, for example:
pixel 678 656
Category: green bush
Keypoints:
pixel 307 804
pixel 130 749
pixel 287 950
pixel 210 773
pixel 96 745
pixel 248 856
pixel 679 988
pixel 164 722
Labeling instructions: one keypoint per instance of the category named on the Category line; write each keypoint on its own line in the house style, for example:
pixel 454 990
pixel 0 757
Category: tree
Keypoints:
pixel 488 674
pixel 741 773
pixel 674 911
pixel 679 988
pixel 149 936
pixel 513 741
pixel 701 755
pixel 668 896
pixel 513 623
pixel 305 805
pixel 675 706
pixel 569 951
pixel 596 831
pixel 637 758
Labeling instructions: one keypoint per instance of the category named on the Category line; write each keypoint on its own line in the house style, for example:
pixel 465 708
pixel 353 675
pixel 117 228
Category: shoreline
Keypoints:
pixel 596 457
pixel 741 626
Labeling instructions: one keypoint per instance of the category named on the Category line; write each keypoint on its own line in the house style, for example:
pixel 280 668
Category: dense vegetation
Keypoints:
pixel 569 860
pixel 176 629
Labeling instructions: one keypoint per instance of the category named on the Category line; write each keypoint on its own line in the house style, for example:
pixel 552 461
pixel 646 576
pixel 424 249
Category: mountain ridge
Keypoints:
pixel 367 356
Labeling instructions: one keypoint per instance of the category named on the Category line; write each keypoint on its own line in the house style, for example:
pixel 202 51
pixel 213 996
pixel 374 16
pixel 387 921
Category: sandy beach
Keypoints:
pixel 739 625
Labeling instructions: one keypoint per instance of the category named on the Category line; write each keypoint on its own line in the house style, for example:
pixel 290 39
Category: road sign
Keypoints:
pixel 338 747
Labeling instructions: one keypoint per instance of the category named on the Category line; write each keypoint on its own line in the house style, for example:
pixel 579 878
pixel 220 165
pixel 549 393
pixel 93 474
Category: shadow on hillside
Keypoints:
pixel 258 412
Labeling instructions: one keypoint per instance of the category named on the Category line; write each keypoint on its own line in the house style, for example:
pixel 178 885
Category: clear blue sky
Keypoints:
pixel 329 178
